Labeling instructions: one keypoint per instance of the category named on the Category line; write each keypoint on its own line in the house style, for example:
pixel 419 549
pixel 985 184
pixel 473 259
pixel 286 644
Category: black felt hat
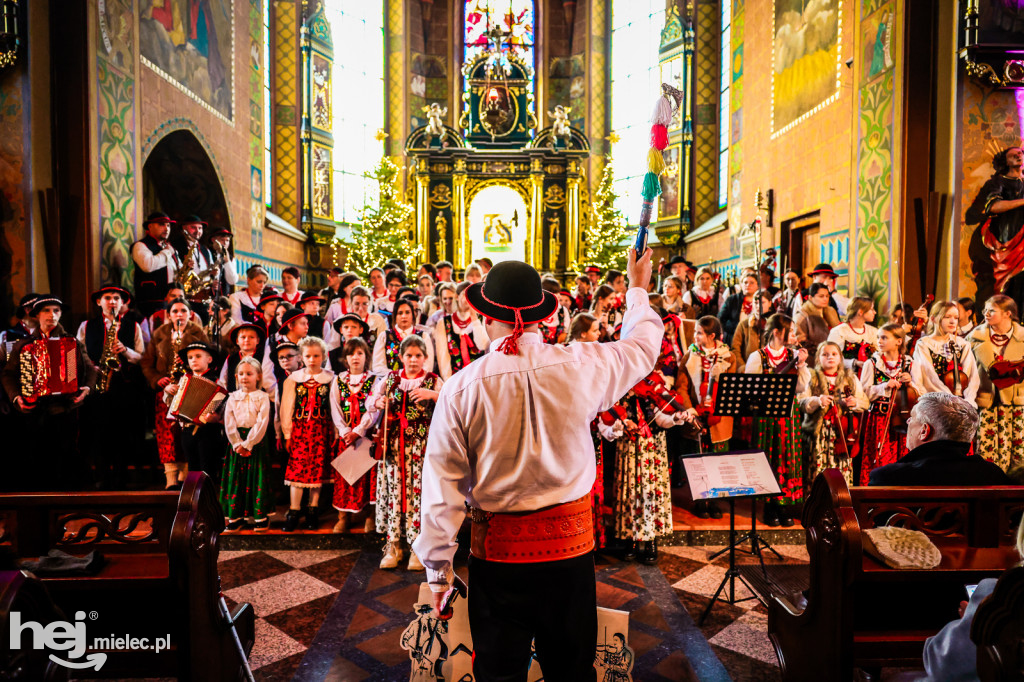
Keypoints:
pixel 26 303
pixel 195 345
pixel 824 269
pixel 191 219
pixel 284 345
pixel 157 217
pixel 308 296
pixel 45 300
pixel 269 294
pixel 111 289
pixel 351 317
pixel 290 316
pixel 512 294
pixel 258 328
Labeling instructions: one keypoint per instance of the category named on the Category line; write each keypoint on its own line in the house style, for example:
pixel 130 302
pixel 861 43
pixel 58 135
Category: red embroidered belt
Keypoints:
pixel 563 531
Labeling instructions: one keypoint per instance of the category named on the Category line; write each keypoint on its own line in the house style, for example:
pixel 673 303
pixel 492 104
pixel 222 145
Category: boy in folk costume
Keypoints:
pixel 779 437
pixel 387 356
pixel 248 340
pixel 888 368
pixel 939 355
pixel 642 492
pixel 1001 339
pixel 310 304
pixel 346 328
pixel 459 337
pixel 202 442
pixel 245 490
pixel 294 328
pixel 349 393
pixel 831 394
pixel 856 337
pixel 707 359
pixel 307 430
pixel 163 366
pixel 289 359
pixel 402 403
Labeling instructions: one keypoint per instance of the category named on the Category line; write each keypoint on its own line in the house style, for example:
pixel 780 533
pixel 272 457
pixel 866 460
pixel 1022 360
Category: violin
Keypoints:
pixel 901 402
pixel 956 378
pixel 653 388
pixel 850 428
pixel 707 394
pixel 918 330
pixel 789 366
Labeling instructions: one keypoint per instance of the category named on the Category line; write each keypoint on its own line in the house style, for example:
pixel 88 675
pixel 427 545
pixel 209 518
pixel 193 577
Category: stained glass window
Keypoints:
pixel 357 31
pixel 725 62
pixel 636 83
pixel 515 18
pixel 268 159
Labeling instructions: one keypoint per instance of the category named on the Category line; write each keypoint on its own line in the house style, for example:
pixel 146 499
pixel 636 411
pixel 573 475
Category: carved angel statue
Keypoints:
pixel 435 123
pixel 560 126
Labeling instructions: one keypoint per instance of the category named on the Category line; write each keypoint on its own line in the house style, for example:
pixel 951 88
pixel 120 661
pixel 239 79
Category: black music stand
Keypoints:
pixel 732 470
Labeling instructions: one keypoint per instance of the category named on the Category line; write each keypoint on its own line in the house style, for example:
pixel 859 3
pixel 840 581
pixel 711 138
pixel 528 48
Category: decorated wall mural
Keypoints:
pixel 14 247
pixel 191 43
pixel 805 60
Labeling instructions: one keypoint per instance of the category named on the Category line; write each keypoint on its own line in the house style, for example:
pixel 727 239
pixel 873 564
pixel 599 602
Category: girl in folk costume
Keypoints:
pixel 585 328
pixel 387 355
pixel 404 403
pixel 707 359
pixel 672 296
pixel 245 490
pixel 459 337
pixel 349 392
pixel 642 494
pixel 1000 340
pixel 738 307
pixel 747 338
pixel 968 318
pixel 162 366
pixel 307 430
pixel 886 371
pixel 672 345
pixel 555 329
pixel 832 393
pixel 856 337
pixel 617 281
pixel 942 360
pixel 602 309
pixel 780 437
pixel 705 298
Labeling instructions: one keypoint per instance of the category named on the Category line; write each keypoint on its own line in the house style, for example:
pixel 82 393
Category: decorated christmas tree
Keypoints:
pixel 384 230
pixel 607 229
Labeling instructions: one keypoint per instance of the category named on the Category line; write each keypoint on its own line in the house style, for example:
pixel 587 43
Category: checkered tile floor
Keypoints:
pixel 333 615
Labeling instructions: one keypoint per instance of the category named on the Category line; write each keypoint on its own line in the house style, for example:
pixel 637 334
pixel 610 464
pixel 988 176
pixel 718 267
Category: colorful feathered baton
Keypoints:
pixel 661 117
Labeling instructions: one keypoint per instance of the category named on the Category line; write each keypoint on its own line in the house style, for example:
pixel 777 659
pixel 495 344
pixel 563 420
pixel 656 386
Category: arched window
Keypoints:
pixel 357 32
pixel 636 83
pixel 725 63
pixel 515 18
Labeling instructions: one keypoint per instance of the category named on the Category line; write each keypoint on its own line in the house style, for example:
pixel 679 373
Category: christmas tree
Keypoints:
pixel 607 229
pixel 383 232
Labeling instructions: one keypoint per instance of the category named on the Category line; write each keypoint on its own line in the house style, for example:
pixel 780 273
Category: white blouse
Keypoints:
pixel 246 410
pixel 845 333
pixel 923 372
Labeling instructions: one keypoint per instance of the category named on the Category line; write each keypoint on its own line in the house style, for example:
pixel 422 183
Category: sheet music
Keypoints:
pixel 730 475
pixel 355 460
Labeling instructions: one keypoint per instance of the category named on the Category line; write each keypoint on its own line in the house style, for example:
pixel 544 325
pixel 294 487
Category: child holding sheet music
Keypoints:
pixel 402 402
pixel 349 392
pixel 307 430
pixel 246 491
pixel 832 393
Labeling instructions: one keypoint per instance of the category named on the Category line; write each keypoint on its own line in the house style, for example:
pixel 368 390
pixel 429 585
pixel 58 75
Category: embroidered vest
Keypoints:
pixel 311 401
pixel 455 345
pixel 96 334
pixel 353 401
pixel 392 359
pixel 552 334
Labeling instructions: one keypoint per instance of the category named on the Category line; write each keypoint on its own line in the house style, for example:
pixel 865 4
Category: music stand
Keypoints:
pixel 761 396
pixel 731 475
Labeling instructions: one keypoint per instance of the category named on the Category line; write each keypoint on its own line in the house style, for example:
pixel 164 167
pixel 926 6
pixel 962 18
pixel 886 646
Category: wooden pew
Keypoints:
pixel 858 612
pixel 159 578
pixel 998 630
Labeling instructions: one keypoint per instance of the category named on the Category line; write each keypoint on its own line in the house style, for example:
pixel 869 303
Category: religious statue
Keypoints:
pixel 560 125
pixel 441 223
pixel 997 246
pixel 435 125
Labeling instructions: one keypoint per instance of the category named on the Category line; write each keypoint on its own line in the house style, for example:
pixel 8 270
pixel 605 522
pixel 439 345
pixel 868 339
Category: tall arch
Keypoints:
pixel 180 178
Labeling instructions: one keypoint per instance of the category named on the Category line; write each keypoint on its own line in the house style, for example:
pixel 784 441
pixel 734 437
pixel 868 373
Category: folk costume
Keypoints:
pixel 672 345
pixel 1001 433
pixel 555 329
pixel 246 308
pixel 857 345
pixel 349 393
pixel 156 266
pixel 227 379
pixel 879 447
pixel 334 356
pixel 779 437
pixel 246 490
pixel 385 349
pixel 704 369
pixel 700 302
pixel 934 358
pixel 813 324
pixel 157 363
pixel 306 422
pixel 202 444
pixel 823 429
pixel 403 441
pixel 539 583
pixel 458 342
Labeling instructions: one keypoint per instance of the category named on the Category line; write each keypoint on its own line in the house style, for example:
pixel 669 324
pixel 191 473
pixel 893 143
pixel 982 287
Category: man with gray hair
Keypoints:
pixel 940 430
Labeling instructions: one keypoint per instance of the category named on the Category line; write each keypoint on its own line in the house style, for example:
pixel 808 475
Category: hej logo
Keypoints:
pixel 60 636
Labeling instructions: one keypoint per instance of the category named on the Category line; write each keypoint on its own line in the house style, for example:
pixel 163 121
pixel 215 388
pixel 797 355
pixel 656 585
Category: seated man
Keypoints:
pixel 939 435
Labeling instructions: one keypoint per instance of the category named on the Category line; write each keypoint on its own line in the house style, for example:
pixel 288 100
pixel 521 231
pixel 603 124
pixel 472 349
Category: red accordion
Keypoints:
pixel 49 367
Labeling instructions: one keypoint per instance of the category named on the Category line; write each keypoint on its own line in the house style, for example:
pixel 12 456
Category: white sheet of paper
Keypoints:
pixel 724 472
pixel 355 460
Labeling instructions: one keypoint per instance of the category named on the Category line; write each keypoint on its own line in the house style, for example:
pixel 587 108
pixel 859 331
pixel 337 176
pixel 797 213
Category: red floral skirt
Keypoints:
pixel 310 450
pixel 167 433
pixel 353 498
pixel 879 449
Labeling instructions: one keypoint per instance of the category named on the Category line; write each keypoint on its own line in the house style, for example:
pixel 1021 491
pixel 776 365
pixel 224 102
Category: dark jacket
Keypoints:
pixel 729 316
pixel 940 462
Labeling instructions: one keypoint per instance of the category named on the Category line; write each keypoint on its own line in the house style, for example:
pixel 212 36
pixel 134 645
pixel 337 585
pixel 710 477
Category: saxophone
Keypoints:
pixel 177 366
pixel 188 280
pixel 109 361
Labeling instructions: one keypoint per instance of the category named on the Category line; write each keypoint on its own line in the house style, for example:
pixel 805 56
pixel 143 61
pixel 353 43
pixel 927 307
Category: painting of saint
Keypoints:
pixel 806 57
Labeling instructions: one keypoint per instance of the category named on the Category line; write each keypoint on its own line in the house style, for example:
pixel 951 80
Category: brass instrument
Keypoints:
pixel 177 366
pixel 109 362
pixel 186 279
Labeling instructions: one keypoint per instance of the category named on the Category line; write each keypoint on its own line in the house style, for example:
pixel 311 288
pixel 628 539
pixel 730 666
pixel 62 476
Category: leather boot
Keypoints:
pixel 700 509
pixel 291 520
pixel 312 518
pixel 392 555
pixel 414 562
pixel 649 555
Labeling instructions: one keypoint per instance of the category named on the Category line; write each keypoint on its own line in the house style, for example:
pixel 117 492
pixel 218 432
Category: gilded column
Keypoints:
pixel 396 116
pixel 572 214
pixel 460 229
pixel 423 207
pixel 534 238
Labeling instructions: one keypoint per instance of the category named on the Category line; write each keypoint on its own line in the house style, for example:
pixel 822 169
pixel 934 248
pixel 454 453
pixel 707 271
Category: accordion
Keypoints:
pixel 49 367
pixel 196 397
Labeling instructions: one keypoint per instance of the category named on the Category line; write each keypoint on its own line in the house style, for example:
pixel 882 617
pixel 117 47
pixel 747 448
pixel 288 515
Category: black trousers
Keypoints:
pixel 203 447
pixel 551 604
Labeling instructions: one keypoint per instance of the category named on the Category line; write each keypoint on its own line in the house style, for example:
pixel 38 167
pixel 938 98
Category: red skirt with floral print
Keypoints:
pixel 309 456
